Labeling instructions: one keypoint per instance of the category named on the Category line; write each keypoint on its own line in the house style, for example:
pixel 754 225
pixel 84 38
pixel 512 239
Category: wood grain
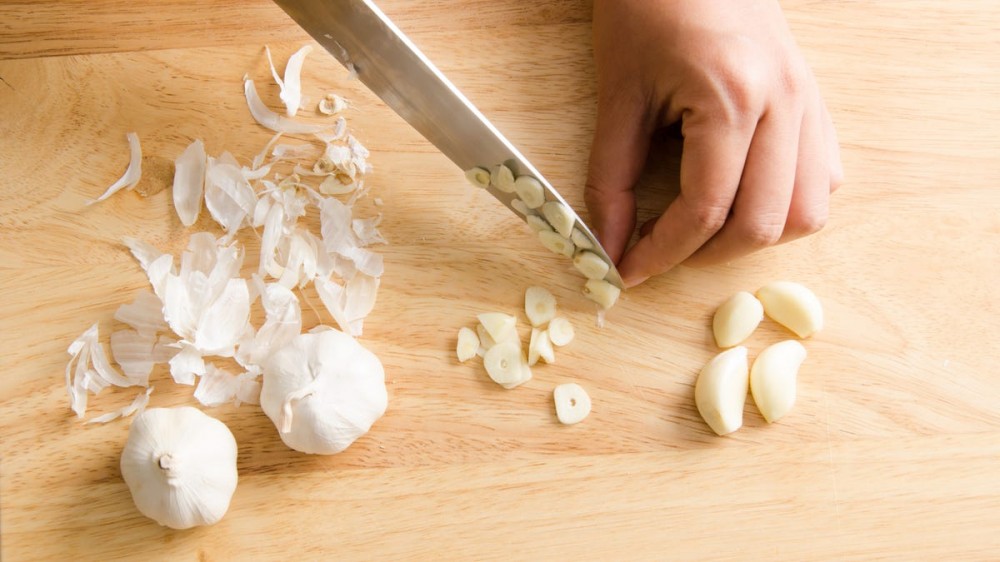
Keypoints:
pixel 892 449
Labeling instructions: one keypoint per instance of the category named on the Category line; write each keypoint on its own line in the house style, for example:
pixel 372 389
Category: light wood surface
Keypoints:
pixel 892 451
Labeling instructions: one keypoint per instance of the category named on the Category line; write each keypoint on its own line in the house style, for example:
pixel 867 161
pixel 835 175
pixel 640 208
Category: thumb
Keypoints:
pixel 617 156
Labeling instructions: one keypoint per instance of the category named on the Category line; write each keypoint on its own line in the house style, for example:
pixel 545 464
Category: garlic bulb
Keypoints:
pixel 180 465
pixel 322 391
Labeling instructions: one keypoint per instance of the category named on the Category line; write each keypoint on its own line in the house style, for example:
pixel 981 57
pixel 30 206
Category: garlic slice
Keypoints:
pixel 189 182
pixel 537 223
pixel 506 364
pixel 736 319
pixel 132 174
pixel 560 331
pixel 478 177
pixel 556 243
pixel 591 265
pixel 502 178
pixel 485 340
pixel 524 211
pixel 264 116
pixel 793 306
pixel 539 347
pixel 539 305
pixel 468 344
pixel 601 292
pixel 580 240
pixel 560 217
pixel 501 327
pixel 773 378
pixel 572 403
pixel 721 390
pixel 530 191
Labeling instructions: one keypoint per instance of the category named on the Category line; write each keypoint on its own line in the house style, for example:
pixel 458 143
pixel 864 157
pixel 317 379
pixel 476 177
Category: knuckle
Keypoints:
pixel 709 218
pixel 809 221
pixel 761 234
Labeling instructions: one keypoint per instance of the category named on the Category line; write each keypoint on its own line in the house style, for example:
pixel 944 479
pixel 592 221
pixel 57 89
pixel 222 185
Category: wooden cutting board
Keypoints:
pixel 892 450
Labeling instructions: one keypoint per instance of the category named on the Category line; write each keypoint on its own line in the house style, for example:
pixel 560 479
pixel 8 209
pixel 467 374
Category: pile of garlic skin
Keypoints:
pixel 322 389
pixel 555 224
pixel 721 388
pixel 496 340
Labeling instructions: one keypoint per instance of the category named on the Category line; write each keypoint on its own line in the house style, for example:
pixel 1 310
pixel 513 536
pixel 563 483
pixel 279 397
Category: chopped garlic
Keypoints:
pixel 478 177
pixel 537 223
pixel 502 179
pixel 560 217
pixel 556 243
pixel 539 305
pixel 499 326
pixel 132 174
pixel 331 104
pixel 601 292
pixel 581 240
pixel 540 347
pixel 572 403
pixel 560 331
pixel 530 191
pixel 591 265
pixel 468 344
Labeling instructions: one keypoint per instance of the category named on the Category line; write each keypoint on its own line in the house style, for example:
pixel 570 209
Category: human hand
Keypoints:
pixel 760 156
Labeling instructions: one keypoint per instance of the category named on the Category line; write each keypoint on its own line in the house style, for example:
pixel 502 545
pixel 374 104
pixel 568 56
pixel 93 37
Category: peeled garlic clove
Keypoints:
pixel 502 178
pixel 601 292
pixel 468 344
pixel 736 319
pixel 523 210
pixel 572 403
pixel 180 466
pixel 505 363
pixel 773 378
pixel 556 243
pixel 560 217
pixel 498 325
pixel 537 223
pixel 540 347
pixel 591 265
pixel 721 390
pixel 560 331
pixel 793 306
pixel 539 305
pixel 479 177
pixel 530 191
pixel 580 240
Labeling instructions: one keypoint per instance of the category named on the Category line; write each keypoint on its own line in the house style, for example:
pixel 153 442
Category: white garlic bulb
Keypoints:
pixel 180 465
pixel 322 391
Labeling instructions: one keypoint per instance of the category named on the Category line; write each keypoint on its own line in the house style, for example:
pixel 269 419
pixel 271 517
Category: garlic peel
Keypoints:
pixel 264 116
pixel 189 182
pixel 133 173
pixel 180 466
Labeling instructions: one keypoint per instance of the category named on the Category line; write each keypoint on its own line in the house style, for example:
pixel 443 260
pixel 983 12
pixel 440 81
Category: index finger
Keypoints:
pixel 712 162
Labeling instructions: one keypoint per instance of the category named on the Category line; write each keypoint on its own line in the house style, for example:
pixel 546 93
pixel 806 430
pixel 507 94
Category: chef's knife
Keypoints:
pixel 364 40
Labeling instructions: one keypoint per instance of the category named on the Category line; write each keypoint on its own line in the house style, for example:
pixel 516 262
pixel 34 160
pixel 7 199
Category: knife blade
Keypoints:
pixel 359 35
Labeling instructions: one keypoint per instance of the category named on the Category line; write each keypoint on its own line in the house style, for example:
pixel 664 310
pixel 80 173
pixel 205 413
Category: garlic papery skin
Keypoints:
pixel 721 390
pixel 774 376
pixel 322 391
pixel 180 465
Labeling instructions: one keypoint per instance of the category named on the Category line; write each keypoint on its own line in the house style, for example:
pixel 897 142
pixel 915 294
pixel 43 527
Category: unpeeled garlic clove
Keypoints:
pixel 773 378
pixel 572 403
pixel 721 390
pixel 793 306
pixel 736 319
